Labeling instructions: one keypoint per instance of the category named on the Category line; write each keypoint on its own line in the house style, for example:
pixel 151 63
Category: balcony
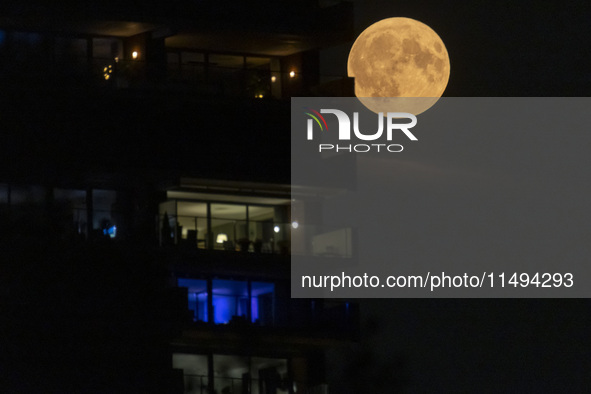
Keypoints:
pixel 206 373
pixel 255 305
pixel 264 237
pixel 224 234
pixel 198 384
pixel 247 77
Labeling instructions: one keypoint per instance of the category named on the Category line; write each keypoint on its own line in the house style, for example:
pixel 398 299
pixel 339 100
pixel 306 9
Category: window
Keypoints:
pixel 232 373
pixel 231 302
pixel 193 223
pixel 194 368
pixel 197 294
pixel 106 48
pixel 226 226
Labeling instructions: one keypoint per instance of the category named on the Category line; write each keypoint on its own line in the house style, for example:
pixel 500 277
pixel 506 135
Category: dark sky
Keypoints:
pixel 501 48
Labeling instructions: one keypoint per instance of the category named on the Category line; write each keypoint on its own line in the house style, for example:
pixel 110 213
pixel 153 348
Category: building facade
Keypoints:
pixel 145 198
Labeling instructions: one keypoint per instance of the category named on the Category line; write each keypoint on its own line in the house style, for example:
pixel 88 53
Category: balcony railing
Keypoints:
pixel 198 384
pixel 256 236
pixel 198 79
pixel 238 311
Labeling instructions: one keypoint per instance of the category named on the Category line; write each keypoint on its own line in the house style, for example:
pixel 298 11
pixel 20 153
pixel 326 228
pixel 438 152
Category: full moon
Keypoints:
pixel 399 64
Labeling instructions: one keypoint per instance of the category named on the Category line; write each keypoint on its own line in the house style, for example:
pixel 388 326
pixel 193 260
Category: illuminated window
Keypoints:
pixel 194 368
pixel 237 226
pixel 262 303
pixel 232 373
pixel 197 294
pixel 230 301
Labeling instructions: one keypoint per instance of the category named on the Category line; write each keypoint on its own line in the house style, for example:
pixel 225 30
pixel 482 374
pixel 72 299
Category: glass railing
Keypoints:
pixel 266 310
pixel 198 384
pixel 197 78
pixel 256 236
pixel 216 80
pixel 322 241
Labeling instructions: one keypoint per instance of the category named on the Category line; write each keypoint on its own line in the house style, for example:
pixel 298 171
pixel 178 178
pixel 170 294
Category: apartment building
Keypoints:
pixel 145 197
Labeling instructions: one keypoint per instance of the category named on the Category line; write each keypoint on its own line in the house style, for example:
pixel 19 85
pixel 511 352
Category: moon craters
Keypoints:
pixel 399 57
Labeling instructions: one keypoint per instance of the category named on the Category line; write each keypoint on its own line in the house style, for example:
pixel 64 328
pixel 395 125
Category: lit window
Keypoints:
pixel 197 297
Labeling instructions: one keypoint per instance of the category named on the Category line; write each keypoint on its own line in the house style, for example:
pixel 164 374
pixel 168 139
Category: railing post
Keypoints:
pixel 210 239
pixel 249 302
pixel 196 234
pixel 210 317
pixel 210 373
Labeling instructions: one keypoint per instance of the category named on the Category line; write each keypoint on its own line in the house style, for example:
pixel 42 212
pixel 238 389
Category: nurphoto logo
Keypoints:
pixel 344 130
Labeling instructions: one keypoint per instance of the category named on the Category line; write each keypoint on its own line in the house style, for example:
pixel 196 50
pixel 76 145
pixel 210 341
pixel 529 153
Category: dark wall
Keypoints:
pixel 70 133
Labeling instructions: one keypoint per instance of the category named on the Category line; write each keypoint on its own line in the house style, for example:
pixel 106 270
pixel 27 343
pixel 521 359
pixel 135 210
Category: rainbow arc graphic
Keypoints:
pixel 317 117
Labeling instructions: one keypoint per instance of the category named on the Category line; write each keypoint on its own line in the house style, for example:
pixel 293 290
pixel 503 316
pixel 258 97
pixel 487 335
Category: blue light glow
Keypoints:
pixel 223 309
pixel 254 307
pixel 201 307
pixel 229 300
pixel 111 231
pixel 197 297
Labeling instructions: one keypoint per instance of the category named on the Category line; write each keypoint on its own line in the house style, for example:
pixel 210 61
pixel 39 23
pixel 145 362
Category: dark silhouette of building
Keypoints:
pixel 145 198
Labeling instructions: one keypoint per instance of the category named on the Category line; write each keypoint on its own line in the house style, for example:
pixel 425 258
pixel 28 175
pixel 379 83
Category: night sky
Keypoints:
pixel 502 48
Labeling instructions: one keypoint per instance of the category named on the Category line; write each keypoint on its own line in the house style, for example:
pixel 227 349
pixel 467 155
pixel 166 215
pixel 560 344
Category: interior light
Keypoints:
pixel 221 238
pixel 276 229
pixel 292 74
pixel 273 78
pixel 111 231
pixel 134 55
pixel 295 224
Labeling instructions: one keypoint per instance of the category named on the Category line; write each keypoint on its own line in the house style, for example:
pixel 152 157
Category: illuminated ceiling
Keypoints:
pixel 256 43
